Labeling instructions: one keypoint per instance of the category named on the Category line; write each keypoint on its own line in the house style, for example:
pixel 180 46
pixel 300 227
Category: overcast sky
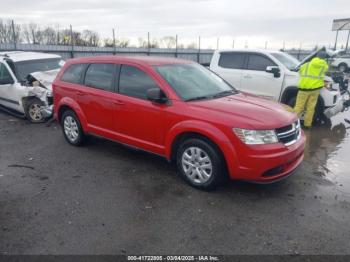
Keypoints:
pixel 247 22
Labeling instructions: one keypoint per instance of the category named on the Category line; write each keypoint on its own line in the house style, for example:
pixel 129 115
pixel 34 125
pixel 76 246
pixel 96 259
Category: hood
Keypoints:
pixel 46 77
pixel 246 111
pixel 308 58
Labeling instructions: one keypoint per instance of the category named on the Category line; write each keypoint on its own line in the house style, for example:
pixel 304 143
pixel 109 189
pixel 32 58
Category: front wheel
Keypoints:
pixel 33 111
pixel 200 164
pixel 342 67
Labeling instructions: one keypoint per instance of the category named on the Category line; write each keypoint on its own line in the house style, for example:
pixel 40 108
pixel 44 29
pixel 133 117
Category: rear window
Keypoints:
pixel 100 76
pixel 73 73
pixel 232 60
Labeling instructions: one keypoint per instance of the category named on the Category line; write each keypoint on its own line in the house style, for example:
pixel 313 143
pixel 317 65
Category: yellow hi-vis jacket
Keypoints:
pixel 312 74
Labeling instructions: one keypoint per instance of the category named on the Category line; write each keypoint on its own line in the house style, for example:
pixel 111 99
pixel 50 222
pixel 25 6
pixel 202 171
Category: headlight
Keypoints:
pixel 256 137
pixel 49 93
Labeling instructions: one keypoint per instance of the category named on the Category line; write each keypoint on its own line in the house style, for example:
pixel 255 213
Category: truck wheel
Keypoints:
pixel 33 111
pixel 71 127
pixel 200 164
pixel 319 117
pixel 343 67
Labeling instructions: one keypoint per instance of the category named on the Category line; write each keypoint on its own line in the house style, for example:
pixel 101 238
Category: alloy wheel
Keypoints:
pixel 71 128
pixel 35 112
pixel 197 165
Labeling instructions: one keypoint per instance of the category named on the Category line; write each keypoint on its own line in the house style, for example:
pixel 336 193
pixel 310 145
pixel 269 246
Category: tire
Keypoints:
pixel 200 164
pixel 319 117
pixel 342 67
pixel 72 130
pixel 33 112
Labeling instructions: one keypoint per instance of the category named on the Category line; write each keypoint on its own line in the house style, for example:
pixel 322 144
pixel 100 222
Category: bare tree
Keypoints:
pixel 108 42
pixel 90 38
pixel 6 32
pixel 142 42
pixel 192 45
pixel 154 43
pixel 49 36
pixel 32 33
pixel 123 42
pixel 169 41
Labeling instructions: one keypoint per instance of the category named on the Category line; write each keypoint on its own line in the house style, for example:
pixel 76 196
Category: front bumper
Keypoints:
pixel 47 111
pixel 340 106
pixel 269 163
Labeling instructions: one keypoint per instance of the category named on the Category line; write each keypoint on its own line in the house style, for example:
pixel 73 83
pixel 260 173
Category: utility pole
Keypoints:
pixel 114 46
pixel 71 41
pixel 58 34
pixel 14 35
pixel 148 44
pixel 284 45
pixel 175 45
pixel 217 43
pixel 347 42
pixel 199 49
pixel 265 44
pixel 299 51
pixel 233 43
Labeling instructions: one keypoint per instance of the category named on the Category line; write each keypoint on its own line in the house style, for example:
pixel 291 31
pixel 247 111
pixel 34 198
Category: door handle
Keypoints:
pixel 80 93
pixel 248 76
pixel 118 102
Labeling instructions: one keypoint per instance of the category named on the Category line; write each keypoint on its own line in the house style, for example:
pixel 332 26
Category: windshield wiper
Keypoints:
pixel 197 98
pixel 225 93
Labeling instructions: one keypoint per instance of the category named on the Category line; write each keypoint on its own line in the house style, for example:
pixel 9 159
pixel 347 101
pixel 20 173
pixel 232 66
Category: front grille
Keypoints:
pixel 288 135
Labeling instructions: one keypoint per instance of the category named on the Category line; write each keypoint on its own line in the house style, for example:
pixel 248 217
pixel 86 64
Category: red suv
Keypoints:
pixel 181 111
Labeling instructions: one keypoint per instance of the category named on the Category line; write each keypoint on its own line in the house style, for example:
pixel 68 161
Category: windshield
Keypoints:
pixel 287 60
pixel 24 68
pixel 194 82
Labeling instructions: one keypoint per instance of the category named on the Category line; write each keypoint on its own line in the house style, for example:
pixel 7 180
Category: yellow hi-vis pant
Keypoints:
pixel 306 100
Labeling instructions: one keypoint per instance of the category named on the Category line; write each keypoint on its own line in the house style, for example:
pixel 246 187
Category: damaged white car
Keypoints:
pixel 26 83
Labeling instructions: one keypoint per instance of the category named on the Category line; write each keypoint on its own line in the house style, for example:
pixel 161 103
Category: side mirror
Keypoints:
pixel 275 70
pixel 7 81
pixel 156 95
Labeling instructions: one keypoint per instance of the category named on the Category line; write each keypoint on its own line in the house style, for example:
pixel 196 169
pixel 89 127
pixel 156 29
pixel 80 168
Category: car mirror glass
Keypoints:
pixel 275 70
pixel 156 95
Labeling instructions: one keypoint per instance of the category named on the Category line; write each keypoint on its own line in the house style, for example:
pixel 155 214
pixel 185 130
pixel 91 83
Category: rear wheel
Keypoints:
pixel 72 129
pixel 200 164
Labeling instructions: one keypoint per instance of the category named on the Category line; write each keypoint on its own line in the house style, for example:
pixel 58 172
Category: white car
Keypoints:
pixel 273 75
pixel 25 83
pixel 342 62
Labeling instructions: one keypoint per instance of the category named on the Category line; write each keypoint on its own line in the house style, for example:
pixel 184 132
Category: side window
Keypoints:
pixel 73 73
pixel 100 76
pixel 134 82
pixel 259 62
pixel 5 76
pixel 232 60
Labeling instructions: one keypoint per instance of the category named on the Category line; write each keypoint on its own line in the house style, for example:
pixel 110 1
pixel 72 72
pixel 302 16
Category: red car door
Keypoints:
pixel 139 121
pixel 96 97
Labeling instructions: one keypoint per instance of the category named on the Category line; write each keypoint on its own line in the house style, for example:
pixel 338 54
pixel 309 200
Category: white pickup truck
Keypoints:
pixel 273 75
pixel 342 62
